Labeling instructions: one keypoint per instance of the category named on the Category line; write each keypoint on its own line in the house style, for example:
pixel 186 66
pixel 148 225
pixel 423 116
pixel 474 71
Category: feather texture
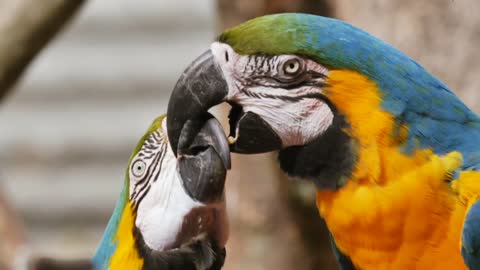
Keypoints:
pixel 411 200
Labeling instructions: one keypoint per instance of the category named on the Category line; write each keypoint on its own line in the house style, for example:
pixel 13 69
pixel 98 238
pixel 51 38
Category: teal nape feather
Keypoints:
pixel 410 93
pixel 107 244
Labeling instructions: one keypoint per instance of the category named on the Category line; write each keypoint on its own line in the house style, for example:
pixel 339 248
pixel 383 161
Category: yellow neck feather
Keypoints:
pixel 359 100
pixel 126 255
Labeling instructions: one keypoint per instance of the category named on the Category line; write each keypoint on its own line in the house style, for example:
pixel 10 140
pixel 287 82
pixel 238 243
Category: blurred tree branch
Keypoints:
pixel 51 264
pixel 26 26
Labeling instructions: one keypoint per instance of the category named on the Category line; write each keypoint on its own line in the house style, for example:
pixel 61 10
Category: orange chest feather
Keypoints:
pixel 126 255
pixel 413 221
pixel 395 211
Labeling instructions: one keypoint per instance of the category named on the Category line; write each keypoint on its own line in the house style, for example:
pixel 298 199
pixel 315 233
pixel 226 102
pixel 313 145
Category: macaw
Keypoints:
pixel 171 212
pixel 392 151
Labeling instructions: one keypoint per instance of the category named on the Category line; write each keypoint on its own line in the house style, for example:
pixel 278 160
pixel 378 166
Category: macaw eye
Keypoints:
pixel 138 168
pixel 292 67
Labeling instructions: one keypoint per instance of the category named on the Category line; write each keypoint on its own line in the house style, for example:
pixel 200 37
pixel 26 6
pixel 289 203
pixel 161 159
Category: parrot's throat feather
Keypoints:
pixel 126 255
pixel 328 161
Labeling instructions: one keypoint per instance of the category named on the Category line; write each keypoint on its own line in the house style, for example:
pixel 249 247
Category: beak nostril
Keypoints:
pixel 226 56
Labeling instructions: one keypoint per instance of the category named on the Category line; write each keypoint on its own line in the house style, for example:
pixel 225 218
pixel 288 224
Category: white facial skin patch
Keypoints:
pixel 283 90
pixel 165 213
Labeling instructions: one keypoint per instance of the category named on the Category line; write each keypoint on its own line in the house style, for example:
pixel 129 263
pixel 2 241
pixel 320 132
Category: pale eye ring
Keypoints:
pixel 138 168
pixel 292 67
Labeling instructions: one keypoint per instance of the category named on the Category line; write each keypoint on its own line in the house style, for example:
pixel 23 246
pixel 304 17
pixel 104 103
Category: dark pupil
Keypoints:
pixel 291 65
pixel 139 167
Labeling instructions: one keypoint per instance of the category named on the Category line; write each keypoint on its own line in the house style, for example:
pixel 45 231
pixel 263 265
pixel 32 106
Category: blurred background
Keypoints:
pixel 69 125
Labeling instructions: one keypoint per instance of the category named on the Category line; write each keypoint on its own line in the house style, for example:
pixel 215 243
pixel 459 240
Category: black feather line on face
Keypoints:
pixel 287 98
pixel 266 70
pixel 156 145
pixel 311 78
pixel 137 203
pixel 145 181
pixel 163 153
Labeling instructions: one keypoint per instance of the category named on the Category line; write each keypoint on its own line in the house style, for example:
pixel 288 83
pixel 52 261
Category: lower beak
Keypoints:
pixel 252 135
pixel 204 162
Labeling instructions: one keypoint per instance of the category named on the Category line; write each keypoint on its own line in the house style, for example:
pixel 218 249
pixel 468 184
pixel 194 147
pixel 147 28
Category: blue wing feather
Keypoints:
pixel 471 238
pixel 344 261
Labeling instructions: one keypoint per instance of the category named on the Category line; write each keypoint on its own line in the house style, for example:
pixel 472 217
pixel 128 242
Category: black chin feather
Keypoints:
pixel 201 253
pixel 328 161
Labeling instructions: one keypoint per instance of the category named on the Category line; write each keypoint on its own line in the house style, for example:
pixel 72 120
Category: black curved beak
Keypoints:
pixel 202 86
pixel 204 161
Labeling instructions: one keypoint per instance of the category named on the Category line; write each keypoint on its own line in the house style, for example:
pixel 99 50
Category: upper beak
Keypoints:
pixel 202 86
pixel 204 162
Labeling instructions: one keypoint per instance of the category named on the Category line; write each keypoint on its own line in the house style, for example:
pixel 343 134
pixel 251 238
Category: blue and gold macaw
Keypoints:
pixel 393 152
pixel 171 212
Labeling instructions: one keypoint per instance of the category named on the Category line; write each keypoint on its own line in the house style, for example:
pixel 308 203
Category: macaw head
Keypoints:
pixel 319 90
pixel 167 201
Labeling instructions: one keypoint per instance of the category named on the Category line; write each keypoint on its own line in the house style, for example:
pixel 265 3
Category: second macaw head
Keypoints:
pixel 319 90
pixel 167 201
